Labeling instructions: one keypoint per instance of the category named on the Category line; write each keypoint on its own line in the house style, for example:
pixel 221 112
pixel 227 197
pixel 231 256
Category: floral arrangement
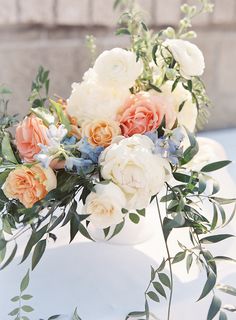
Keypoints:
pixel 126 132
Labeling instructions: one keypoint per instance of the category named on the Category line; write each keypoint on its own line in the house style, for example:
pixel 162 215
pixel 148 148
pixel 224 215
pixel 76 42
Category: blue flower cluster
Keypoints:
pixel 169 145
pixel 88 158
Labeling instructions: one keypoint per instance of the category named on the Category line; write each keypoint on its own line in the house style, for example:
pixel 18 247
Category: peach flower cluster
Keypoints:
pixel 29 185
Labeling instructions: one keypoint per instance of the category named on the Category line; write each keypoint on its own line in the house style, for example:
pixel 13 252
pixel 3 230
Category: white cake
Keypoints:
pixel 106 280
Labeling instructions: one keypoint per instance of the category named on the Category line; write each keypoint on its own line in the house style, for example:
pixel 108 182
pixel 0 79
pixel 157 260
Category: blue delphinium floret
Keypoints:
pixel 169 145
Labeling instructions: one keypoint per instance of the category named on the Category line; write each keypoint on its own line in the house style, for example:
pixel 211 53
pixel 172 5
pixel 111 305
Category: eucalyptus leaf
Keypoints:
pixel 152 295
pixel 25 282
pixel 216 238
pixel 226 289
pixel 11 257
pixel 159 288
pixel 215 166
pixel 27 308
pixel 38 252
pixel 214 308
pixel 209 285
pixel 165 279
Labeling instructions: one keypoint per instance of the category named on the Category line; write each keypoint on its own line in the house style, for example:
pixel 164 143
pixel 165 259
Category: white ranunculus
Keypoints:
pixel 89 100
pixel 105 205
pixel 188 55
pixel 118 68
pixel 187 117
pixel 132 166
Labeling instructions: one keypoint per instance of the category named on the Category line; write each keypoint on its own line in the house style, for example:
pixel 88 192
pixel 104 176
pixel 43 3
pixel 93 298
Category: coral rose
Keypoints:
pixel 100 132
pixel 29 185
pixel 29 133
pixel 144 112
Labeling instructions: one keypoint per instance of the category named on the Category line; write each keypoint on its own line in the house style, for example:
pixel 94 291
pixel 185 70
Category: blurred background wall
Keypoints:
pixel 52 33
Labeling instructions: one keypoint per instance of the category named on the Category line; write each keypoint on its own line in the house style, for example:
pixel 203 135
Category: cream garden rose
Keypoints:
pixel 132 166
pixel 104 205
pixel 188 55
pixel 100 132
pixel 89 100
pixel 118 68
pixel 187 116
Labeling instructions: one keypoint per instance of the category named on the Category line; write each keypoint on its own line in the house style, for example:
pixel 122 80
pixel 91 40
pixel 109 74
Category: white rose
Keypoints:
pixel 132 166
pixel 118 67
pixel 105 205
pixel 89 100
pixel 187 116
pixel 188 55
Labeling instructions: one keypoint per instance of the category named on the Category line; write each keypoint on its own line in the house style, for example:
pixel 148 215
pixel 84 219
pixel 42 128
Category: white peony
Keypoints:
pixel 132 166
pixel 105 205
pixel 118 68
pixel 187 116
pixel 188 55
pixel 89 100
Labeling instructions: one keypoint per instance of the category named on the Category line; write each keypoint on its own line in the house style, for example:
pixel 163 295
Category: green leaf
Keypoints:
pixel 16 298
pixel 61 115
pixel 189 261
pixel 159 288
pixel 223 258
pixel 201 184
pixel 54 317
pixel 26 297
pixel 154 87
pixel 181 177
pixel 27 308
pixel 84 232
pixel 122 31
pixel 153 273
pixel 216 238
pixel 7 152
pixel 135 314
pixel 25 282
pixel 175 84
pixel 3 244
pixel 179 257
pixel 223 200
pixel 214 308
pixel 75 315
pixel 226 289
pixel 11 257
pixel 152 295
pixel 14 312
pixel 223 316
pixel 44 114
pixel 34 238
pixel 154 50
pixel 215 217
pixel 209 285
pixel 215 166
pixel 134 218
pixel 191 151
pixel 3 177
pixel 117 229
pixel 230 308
pixel 38 252
pixel 24 318
pixel 141 212
pixel 74 225
pixel 164 279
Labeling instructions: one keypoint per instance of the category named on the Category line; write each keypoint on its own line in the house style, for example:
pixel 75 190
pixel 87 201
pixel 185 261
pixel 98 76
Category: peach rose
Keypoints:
pixel 29 133
pixel 144 112
pixel 100 132
pixel 29 185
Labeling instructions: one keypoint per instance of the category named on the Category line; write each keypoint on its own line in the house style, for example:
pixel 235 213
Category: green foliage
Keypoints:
pixel 21 299
pixel 39 89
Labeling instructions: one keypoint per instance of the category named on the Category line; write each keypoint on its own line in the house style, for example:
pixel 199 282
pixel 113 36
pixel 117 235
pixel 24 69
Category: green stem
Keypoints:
pixel 169 261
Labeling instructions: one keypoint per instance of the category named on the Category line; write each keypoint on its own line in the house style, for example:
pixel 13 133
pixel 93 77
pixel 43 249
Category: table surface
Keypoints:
pixel 84 275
